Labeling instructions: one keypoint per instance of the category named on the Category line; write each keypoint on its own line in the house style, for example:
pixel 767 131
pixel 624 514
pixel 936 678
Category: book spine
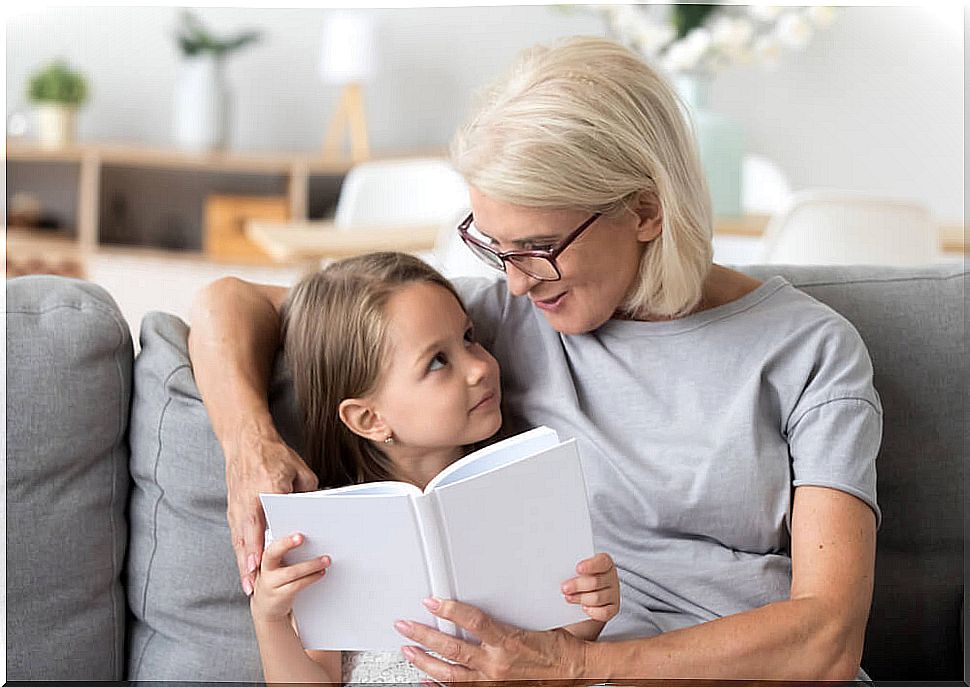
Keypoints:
pixel 440 574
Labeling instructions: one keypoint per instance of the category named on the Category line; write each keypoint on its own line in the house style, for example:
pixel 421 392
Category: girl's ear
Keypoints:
pixel 361 419
pixel 649 217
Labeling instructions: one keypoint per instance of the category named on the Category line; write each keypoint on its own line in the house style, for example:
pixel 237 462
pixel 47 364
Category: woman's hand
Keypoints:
pixel 260 464
pixel 277 584
pixel 596 587
pixel 505 652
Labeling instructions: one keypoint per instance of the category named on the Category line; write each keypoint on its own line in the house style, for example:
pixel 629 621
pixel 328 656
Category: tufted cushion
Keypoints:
pixel 191 618
pixel 69 357
pixel 913 321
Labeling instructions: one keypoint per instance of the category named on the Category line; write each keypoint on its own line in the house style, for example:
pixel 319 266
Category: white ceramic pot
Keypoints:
pixel 202 105
pixel 56 125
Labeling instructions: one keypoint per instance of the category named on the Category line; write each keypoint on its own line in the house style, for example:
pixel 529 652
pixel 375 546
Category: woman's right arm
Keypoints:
pixel 232 344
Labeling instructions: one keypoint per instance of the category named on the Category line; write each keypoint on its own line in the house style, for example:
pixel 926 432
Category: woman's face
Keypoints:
pixel 598 269
pixel 440 388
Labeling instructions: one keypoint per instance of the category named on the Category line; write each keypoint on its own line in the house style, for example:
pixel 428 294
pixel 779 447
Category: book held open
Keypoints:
pixel 500 529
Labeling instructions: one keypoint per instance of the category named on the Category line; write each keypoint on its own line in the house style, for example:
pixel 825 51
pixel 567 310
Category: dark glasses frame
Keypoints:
pixel 498 259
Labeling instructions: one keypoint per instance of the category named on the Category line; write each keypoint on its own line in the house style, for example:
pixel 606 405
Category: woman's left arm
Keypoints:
pixel 817 633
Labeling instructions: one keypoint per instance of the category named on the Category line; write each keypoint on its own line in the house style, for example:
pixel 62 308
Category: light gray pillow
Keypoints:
pixel 191 619
pixel 69 357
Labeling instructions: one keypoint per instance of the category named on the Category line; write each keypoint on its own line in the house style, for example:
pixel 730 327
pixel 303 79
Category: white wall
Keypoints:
pixel 874 103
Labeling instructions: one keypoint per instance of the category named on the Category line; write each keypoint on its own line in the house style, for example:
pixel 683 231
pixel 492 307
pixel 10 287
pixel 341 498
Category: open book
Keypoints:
pixel 501 529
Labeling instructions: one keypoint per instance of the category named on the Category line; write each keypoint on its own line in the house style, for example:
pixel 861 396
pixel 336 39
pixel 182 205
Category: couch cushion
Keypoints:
pixel 191 618
pixel 913 321
pixel 69 357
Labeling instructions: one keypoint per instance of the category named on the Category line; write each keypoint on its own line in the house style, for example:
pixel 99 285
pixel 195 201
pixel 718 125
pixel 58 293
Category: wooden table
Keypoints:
pixel 307 241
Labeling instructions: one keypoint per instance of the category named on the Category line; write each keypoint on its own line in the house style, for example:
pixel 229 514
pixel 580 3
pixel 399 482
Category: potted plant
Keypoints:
pixel 57 91
pixel 202 100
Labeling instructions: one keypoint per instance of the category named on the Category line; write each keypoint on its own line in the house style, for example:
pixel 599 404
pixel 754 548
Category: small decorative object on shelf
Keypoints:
pixel 202 98
pixel 57 91
pixel 691 43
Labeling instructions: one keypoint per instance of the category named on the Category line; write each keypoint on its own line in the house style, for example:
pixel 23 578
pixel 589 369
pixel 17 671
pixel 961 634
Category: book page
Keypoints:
pixel 499 453
pixel 515 533
pixel 378 574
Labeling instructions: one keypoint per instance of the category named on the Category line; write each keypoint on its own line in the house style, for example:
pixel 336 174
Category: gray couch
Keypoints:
pixel 118 557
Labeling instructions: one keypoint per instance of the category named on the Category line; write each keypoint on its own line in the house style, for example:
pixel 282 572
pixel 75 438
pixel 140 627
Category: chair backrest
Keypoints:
pixel 836 227
pixel 453 258
pixel 764 187
pixel 396 192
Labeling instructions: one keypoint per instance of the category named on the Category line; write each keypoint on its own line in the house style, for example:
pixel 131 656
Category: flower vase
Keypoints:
pixel 721 146
pixel 202 105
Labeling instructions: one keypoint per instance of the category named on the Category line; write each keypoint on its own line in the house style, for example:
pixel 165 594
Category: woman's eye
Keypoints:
pixel 546 247
pixel 437 362
pixel 470 336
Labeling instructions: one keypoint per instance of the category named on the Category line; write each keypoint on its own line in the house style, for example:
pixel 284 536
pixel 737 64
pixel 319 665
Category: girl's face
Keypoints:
pixel 598 269
pixel 440 388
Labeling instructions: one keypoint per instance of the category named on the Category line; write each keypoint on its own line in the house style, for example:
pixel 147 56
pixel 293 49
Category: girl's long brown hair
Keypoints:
pixel 334 329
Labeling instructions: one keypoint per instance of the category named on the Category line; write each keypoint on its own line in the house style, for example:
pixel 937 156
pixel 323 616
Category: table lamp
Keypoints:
pixel 348 57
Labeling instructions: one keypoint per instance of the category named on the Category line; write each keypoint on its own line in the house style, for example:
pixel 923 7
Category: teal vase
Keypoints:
pixel 721 143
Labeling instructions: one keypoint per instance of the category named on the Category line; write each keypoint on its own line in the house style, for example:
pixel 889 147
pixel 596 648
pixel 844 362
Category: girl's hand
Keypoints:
pixel 596 588
pixel 277 583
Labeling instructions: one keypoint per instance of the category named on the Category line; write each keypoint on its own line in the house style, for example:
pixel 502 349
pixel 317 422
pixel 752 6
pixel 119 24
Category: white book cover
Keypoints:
pixel 521 500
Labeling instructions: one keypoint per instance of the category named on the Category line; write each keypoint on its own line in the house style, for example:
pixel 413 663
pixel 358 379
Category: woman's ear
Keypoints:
pixel 649 216
pixel 361 419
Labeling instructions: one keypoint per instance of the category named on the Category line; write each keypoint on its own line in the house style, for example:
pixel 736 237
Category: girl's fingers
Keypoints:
pixel 273 554
pixel 291 588
pixel 598 598
pixel 289 573
pixel 601 613
pixel 589 583
pixel 595 565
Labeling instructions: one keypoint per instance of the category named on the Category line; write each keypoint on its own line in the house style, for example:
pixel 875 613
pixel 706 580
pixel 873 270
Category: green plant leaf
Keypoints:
pixel 688 17
pixel 57 83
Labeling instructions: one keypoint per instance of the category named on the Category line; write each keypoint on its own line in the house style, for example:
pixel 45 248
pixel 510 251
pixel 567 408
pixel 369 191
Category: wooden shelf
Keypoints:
pixel 165 158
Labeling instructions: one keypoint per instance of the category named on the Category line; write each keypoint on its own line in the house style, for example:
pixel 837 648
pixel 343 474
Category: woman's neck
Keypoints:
pixel 419 466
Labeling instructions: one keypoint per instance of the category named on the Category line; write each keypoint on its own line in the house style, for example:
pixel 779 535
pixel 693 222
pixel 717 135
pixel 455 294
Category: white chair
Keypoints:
pixel 822 226
pixel 764 187
pixel 396 192
pixel 765 190
pixel 453 258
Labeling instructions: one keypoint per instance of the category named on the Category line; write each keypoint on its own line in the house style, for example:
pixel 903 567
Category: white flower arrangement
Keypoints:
pixel 703 39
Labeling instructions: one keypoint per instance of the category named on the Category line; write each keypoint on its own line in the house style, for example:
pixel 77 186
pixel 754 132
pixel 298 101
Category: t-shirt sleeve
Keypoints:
pixel 835 429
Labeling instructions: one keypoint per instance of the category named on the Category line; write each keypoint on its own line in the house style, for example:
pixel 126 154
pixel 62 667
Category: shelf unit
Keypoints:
pixel 93 160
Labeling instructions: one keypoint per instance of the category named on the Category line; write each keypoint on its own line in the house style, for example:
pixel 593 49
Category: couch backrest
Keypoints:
pixel 913 321
pixel 69 357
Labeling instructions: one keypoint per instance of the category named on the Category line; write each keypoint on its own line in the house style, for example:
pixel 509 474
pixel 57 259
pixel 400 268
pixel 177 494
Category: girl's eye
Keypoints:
pixel 437 362
pixel 470 336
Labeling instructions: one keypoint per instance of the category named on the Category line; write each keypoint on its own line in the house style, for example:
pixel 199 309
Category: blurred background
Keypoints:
pixel 224 141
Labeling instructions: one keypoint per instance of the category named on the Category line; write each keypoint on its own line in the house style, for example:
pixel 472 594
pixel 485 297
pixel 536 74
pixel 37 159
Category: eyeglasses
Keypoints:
pixel 538 264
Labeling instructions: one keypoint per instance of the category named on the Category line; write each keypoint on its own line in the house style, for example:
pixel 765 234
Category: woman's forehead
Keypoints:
pixel 508 222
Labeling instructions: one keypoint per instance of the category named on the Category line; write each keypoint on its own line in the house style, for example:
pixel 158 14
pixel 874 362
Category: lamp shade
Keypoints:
pixel 349 50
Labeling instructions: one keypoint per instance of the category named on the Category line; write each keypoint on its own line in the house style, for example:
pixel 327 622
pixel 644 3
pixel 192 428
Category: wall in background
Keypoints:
pixel 874 103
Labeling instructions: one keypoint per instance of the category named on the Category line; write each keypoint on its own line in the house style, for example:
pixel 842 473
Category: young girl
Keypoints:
pixel 379 344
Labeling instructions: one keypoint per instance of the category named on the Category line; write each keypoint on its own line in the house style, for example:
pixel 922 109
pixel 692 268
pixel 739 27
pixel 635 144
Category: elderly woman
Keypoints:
pixel 729 427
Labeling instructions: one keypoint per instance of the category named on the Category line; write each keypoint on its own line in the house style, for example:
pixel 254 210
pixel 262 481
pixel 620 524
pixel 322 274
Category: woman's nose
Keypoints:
pixel 520 283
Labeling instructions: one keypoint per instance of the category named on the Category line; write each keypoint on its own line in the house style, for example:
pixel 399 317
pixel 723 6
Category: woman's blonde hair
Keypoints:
pixel 587 125
pixel 334 329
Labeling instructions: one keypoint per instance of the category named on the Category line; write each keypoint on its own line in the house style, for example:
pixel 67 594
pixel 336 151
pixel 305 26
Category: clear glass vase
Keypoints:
pixel 721 143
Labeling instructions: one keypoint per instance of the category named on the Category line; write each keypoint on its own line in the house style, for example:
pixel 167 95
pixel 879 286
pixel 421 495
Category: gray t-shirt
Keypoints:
pixel 694 433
